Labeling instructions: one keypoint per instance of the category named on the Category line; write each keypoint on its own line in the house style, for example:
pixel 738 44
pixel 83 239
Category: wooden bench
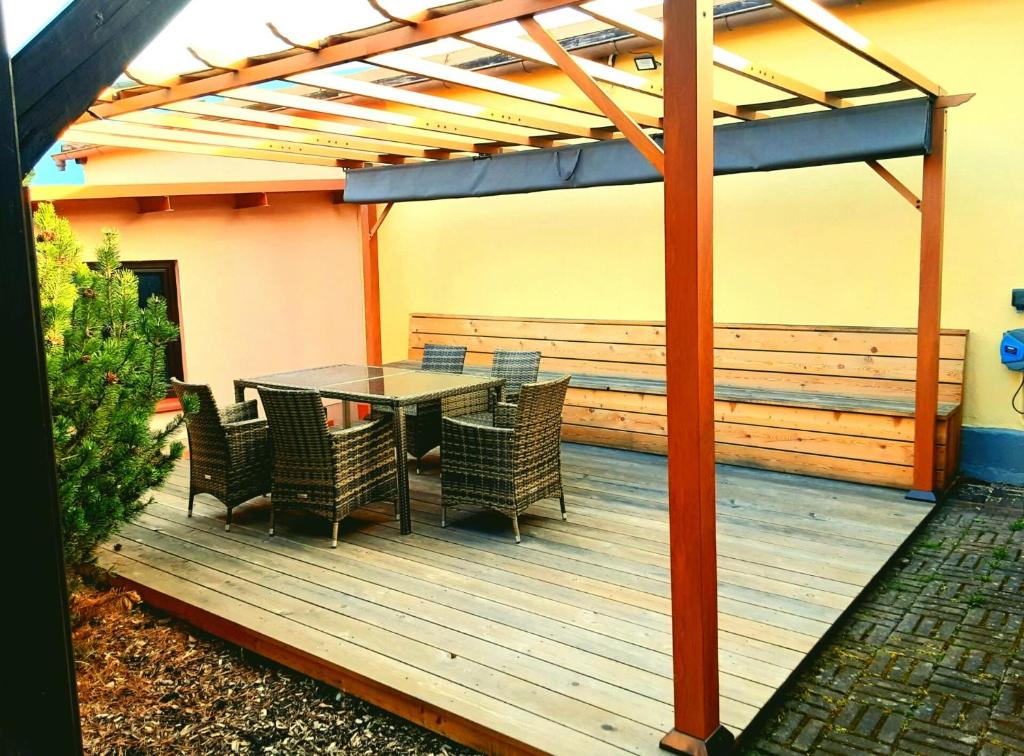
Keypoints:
pixel 836 402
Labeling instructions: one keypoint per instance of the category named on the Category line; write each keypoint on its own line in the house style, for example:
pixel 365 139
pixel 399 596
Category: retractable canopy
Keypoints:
pixel 868 132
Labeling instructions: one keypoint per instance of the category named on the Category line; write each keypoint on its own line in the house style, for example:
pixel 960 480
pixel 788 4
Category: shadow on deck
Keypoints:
pixel 561 644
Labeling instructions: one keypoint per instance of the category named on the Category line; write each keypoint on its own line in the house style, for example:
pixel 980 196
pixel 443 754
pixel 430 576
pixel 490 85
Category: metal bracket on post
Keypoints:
pixel 719 743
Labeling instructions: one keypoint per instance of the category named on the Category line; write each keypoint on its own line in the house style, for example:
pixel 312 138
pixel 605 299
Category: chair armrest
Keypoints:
pixel 361 439
pixel 232 413
pixel 505 415
pixel 463 426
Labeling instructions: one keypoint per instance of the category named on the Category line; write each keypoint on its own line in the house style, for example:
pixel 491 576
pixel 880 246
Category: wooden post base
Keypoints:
pixel 925 496
pixel 721 741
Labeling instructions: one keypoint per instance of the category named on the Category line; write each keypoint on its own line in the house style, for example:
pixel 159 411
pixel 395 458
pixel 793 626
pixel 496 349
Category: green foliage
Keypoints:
pixel 105 358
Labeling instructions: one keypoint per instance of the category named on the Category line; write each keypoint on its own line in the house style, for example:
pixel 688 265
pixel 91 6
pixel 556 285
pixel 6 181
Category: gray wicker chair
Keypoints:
pixel 515 367
pixel 423 420
pixel 511 463
pixel 228 449
pixel 330 472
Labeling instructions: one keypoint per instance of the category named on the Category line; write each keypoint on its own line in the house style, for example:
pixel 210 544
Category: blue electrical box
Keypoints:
pixel 1011 350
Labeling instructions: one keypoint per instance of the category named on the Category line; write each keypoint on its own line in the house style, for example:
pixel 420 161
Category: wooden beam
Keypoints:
pixel 902 189
pixel 380 220
pixel 251 199
pixel 346 144
pixel 419 100
pixel 368 224
pixel 144 131
pixel 158 204
pixel 929 311
pixel 114 140
pixel 639 138
pixel 396 139
pixel 468 128
pixel 824 22
pixel 614 14
pixel 689 330
pixel 60 72
pixel 530 51
pixel 39 668
pixel 72 193
pixel 448 25
pixel 410 64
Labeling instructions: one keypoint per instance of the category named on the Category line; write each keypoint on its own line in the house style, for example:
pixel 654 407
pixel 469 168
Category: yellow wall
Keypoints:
pixel 828 245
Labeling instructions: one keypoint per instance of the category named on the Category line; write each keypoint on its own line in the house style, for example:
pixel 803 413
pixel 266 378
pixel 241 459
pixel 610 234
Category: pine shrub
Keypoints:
pixel 105 360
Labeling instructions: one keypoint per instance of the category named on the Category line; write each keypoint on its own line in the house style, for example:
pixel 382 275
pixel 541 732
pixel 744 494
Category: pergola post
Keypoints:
pixel 929 311
pixel 371 283
pixel 689 166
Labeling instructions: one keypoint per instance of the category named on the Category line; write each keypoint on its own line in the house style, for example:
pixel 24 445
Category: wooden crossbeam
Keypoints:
pixel 614 14
pixel 85 136
pixel 630 129
pixel 468 129
pixel 412 138
pixel 410 64
pixel 529 50
pixel 348 145
pixel 452 24
pixel 902 189
pixel 349 85
pixel 147 131
pixel 826 23
pixel 349 137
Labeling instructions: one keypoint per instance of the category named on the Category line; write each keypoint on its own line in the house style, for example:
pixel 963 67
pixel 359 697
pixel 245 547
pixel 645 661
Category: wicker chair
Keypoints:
pixel 515 367
pixel 423 420
pixel 509 464
pixel 330 472
pixel 228 449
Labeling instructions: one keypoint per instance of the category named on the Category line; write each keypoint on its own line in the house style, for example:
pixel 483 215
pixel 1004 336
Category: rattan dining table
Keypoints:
pixel 392 387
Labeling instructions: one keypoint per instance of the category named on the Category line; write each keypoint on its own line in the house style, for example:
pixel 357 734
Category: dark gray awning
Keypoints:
pixel 867 132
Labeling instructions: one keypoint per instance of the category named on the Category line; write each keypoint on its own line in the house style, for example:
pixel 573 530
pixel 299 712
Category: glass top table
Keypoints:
pixel 394 387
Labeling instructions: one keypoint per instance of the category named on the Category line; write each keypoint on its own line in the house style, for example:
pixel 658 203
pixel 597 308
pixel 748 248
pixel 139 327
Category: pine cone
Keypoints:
pixel 88 293
pixel 108 331
pixel 112 377
pixel 85 359
pixel 45 236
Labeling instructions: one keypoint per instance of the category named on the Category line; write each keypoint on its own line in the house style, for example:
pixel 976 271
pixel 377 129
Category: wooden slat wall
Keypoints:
pixel 868 368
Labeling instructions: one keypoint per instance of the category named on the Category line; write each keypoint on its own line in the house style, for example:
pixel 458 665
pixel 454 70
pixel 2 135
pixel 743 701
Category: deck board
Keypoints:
pixel 559 644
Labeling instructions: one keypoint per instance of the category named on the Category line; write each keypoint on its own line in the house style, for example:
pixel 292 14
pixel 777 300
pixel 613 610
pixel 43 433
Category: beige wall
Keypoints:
pixel 262 289
pixel 826 245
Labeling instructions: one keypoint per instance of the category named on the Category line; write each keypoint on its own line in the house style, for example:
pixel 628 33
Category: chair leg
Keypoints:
pixel 418 465
pixel 270 531
pixel 227 524
pixel 444 515
pixel 191 500
pixel 561 501
pixel 334 535
pixel 515 525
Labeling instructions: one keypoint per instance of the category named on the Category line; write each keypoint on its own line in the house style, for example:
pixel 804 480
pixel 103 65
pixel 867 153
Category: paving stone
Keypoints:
pixel 932 660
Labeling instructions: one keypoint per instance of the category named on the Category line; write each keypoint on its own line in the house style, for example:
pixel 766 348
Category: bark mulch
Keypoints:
pixel 149 684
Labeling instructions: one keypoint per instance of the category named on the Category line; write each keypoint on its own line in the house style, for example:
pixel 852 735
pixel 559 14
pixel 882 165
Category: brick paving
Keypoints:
pixel 931 661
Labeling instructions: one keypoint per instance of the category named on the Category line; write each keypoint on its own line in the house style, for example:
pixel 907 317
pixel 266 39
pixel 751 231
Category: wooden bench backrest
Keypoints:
pixel 851 361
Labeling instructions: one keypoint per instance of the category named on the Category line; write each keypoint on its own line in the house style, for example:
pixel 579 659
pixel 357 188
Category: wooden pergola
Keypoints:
pixel 51 89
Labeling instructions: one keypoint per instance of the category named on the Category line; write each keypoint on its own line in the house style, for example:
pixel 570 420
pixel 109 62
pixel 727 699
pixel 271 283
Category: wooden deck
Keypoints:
pixel 561 644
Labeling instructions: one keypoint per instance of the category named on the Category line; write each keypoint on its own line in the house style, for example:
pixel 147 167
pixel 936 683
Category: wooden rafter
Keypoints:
pixel 453 24
pixel 349 85
pixel 85 136
pixel 187 123
pixel 826 23
pixel 495 85
pixel 350 137
pixel 403 135
pixel 149 131
pixel 614 14
pixel 531 51
pixel 630 128
pixel 468 128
